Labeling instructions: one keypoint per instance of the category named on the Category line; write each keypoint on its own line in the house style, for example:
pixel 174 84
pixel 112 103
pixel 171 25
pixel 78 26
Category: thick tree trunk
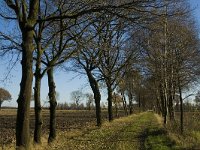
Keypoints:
pixel 97 96
pixel 38 108
pixel 110 112
pixel 23 111
pixel 53 104
pixel 130 103
pixel 26 24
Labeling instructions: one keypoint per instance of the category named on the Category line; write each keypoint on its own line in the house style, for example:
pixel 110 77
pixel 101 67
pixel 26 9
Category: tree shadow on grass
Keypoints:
pixel 155 139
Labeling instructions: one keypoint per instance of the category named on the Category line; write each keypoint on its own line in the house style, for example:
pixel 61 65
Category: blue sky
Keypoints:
pixel 195 4
pixel 65 81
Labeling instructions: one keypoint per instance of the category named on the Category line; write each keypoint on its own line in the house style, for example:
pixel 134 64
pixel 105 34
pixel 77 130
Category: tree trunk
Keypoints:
pixel 165 111
pixel 53 104
pixel 97 96
pixel 139 102
pixel 161 100
pixel 37 88
pixel 165 95
pixel 181 106
pixel 163 105
pixel 165 102
pixel 171 94
pixel 130 103
pixel 23 111
pixel 110 112
pixel 116 106
pixel 38 108
pixel 158 103
pixel 0 104
pixel 171 108
pixel 124 103
pixel 26 25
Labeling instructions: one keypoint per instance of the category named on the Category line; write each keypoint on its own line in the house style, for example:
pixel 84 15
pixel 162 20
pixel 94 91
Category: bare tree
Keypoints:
pixel 76 97
pixel 26 19
pixel 4 96
pixel 26 15
pixel 197 99
pixel 121 88
pixel 52 49
pixel 114 55
pixel 87 61
pixel 170 50
pixel 117 100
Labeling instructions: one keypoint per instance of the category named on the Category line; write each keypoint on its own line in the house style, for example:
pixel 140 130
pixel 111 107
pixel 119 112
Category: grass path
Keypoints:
pixel 136 132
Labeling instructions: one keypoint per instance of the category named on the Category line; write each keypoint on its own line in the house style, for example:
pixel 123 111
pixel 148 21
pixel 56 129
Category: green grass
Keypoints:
pixel 143 131
pixel 136 132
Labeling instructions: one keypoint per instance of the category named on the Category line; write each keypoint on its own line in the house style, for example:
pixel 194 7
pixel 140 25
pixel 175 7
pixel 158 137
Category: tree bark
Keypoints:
pixel 165 98
pixel 171 108
pixel 181 106
pixel 38 108
pixel 53 104
pixel 163 104
pixel 171 94
pixel 139 101
pixel 116 106
pixel 0 104
pixel 26 23
pixel 97 96
pixel 165 111
pixel 124 103
pixel 23 111
pixel 130 103
pixel 110 112
pixel 37 88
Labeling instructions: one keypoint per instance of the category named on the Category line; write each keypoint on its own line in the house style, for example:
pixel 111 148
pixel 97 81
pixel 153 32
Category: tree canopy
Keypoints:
pixel 4 96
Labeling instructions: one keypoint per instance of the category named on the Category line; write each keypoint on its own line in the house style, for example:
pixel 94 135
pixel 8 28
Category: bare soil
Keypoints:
pixel 67 120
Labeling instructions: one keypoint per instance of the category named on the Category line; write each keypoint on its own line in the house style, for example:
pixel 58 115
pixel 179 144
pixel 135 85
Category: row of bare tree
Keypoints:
pixel 144 50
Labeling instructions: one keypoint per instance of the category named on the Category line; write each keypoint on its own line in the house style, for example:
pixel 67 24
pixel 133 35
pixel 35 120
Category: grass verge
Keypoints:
pixel 135 132
pixel 143 131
